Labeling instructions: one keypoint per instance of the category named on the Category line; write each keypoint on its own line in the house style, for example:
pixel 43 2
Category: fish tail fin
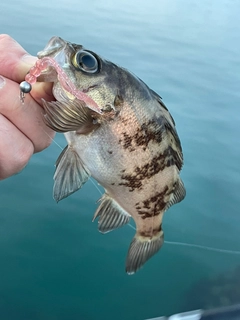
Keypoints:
pixel 142 249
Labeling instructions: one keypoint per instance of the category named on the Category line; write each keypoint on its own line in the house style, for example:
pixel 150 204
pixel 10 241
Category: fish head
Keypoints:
pixel 89 75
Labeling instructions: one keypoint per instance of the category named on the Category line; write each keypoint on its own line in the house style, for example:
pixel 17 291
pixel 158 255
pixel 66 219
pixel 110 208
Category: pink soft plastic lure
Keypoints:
pixel 42 64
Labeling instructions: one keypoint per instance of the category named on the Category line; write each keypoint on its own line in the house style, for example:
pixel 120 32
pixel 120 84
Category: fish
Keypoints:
pixel 119 132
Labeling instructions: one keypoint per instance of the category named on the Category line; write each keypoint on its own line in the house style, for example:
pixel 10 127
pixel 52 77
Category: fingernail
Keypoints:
pixel 2 82
pixel 27 58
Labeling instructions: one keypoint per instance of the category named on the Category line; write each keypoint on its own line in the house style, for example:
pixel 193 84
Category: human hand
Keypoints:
pixel 22 130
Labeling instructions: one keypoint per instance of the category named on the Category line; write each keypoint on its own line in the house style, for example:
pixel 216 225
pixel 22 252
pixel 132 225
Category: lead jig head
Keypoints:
pixel 25 87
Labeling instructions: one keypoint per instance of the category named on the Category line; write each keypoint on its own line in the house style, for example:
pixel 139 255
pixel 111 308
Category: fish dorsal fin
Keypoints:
pixel 178 194
pixel 70 174
pixel 174 149
pixel 142 249
pixel 111 215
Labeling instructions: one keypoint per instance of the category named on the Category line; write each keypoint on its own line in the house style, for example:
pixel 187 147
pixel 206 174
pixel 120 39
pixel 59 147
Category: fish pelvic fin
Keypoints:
pixel 70 174
pixel 111 215
pixel 142 249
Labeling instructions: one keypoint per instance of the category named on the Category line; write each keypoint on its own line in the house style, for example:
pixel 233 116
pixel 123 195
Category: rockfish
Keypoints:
pixel 119 132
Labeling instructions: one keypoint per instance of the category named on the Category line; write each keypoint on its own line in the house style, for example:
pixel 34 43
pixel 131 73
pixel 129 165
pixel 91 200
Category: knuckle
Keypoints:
pixel 16 160
pixel 23 155
pixel 4 37
pixel 45 141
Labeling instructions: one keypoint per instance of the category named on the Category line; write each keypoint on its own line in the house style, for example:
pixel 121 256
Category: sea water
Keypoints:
pixel 54 262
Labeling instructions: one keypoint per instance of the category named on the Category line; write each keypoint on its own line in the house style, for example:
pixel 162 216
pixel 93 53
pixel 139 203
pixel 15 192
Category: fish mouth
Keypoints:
pixel 58 49
pixel 55 49
pixel 54 45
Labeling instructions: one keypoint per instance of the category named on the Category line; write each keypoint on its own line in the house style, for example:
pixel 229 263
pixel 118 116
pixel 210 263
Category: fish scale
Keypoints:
pixel 130 146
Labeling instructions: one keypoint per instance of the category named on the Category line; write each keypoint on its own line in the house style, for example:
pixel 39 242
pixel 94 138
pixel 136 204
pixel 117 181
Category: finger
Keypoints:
pixel 15 63
pixel 14 60
pixel 27 117
pixel 15 149
pixel 42 90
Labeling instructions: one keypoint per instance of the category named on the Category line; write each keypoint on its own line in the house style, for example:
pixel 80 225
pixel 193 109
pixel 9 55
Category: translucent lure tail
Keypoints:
pixel 142 249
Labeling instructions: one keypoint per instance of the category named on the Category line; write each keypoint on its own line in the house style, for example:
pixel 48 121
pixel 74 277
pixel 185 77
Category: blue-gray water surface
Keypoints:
pixel 54 264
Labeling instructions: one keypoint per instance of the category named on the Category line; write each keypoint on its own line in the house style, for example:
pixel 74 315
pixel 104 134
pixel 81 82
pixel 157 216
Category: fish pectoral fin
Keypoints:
pixel 70 174
pixel 69 115
pixel 142 249
pixel 111 215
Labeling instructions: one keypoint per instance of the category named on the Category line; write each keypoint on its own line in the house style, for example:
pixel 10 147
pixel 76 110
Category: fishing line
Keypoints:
pixel 175 243
pixel 96 186
pixel 52 139
pixel 198 246
pixel 184 244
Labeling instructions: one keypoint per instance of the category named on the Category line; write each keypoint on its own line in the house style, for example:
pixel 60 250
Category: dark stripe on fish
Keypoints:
pixel 135 180
pixel 154 205
pixel 151 232
pixel 143 135
pixel 151 131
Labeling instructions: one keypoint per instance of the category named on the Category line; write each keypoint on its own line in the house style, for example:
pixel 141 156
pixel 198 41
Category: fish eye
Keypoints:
pixel 85 61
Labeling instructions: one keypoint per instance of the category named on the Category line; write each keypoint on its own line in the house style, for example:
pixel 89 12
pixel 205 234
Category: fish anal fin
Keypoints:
pixel 142 249
pixel 70 174
pixel 111 215
pixel 178 193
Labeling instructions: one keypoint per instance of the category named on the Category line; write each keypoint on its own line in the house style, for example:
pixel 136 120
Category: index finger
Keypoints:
pixel 15 63
pixel 14 60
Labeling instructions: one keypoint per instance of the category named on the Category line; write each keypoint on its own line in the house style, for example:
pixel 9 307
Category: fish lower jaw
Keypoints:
pixel 61 94
pixel 69 95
